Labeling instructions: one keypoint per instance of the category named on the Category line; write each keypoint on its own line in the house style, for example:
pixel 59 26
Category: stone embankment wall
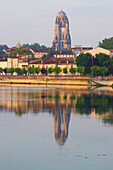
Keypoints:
pixel 45 81
pixel 53 81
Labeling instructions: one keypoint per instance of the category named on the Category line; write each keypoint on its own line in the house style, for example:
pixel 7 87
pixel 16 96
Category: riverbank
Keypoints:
pixel 54 81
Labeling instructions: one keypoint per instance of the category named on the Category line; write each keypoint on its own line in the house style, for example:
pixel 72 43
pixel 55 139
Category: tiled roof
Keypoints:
pixel 63 53
pixel 82 48
pixel 54 61
pixel 40 50
pixel 111 50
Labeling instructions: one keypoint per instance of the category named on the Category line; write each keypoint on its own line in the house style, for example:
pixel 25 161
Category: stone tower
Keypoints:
pixel 62 39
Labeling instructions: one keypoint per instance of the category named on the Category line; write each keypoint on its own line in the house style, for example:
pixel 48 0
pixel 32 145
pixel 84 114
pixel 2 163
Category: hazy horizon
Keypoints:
pixel 33 21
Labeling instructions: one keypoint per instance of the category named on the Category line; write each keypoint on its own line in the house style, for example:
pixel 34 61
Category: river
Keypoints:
pixel 46 129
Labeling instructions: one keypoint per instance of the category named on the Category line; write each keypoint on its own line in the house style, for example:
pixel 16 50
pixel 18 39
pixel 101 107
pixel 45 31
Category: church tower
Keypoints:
pixel 62 39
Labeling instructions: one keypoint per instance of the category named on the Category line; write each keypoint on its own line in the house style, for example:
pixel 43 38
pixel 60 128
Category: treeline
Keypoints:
pixel 100 65
pixel 33 46
pixel 107 43
pixel 37 70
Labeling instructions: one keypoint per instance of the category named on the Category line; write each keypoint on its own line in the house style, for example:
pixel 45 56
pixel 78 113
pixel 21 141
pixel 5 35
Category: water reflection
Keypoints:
pixel 61 125
pixel 60 104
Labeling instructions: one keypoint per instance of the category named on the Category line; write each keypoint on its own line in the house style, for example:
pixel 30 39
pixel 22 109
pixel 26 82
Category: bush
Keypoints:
pixel 72 70
pixel 24 71
pixel 37 70
pixel 81 69
pixel 103 70
pixel 18 71
pixel 65 70
pixel 31 70
pixel 5 70
pixel 95 70
pixel 43 71
pixel 10 70
pixel 50 70
pixel 1 70
pixel 57 70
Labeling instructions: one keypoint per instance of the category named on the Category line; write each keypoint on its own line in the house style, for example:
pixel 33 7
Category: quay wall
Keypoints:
pixel 53 81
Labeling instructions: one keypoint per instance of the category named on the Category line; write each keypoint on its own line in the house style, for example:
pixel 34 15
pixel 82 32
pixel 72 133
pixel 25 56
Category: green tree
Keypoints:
pixel 102 58
pixel 95 70
pixel 1 70
pixel 50 54
pixel 36 70
pixel 31 70
pixel 18 71
pixel 65 70
pixel 10 70
pixel 107 43
pixel 81 69
pixel 43 71
pixel 34 45
pixel 72 70
pixel 50 70
pixel 108 62
pixel 24 71
pixel 19 51
pixel 57 70
pixel 103 70
pixel 83 59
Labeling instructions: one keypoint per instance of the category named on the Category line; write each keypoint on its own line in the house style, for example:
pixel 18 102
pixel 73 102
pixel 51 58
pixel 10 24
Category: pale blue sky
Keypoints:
pixel 33 21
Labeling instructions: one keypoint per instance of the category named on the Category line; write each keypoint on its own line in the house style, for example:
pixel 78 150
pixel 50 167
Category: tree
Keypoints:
pixel 72 70
pixel 10 70
pixel 83 59
pixel 19 51
pixel 108 62
pixel 1 70
pixel 107 43
pixel 102 58
pixel 36 70
pixel 24 71
pixel 43 71
pixel 31 70
pixel 65 70
pixel 35 45
pixel 103 70
pixel 57 70
pixel 18 71
pixel 95 70
pixel 50 54
pixel 110 69
pixel 50 70
pixel 81 69
pixel 5 70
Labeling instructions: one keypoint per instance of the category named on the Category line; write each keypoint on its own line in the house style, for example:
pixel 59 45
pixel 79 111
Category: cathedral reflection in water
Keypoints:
pixel 61 125
pixel 59 103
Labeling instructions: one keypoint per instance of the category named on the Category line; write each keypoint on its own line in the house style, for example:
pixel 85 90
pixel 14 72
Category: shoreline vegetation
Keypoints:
pixel 57 81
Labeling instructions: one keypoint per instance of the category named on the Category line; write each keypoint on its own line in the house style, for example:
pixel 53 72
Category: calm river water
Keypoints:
pixel 52 129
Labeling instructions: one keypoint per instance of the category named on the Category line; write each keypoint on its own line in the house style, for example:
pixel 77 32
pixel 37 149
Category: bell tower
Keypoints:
pixel 62 39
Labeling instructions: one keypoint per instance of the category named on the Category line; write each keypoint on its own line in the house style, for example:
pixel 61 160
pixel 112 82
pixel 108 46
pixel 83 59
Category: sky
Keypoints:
pixel 33 21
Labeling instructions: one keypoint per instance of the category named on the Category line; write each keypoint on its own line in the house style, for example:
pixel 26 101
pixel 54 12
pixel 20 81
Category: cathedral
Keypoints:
pixel 62 39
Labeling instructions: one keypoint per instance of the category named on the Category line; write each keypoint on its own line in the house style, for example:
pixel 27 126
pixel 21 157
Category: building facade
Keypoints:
pixel 62 38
